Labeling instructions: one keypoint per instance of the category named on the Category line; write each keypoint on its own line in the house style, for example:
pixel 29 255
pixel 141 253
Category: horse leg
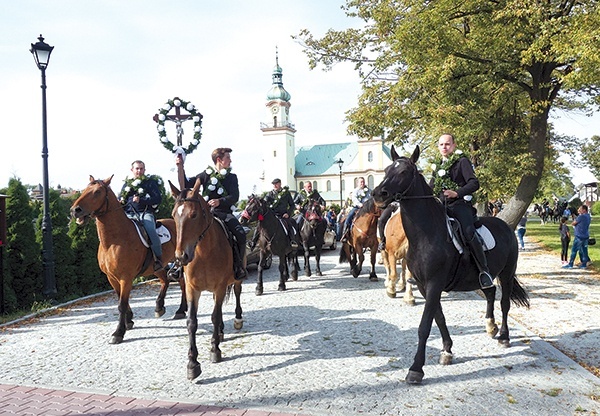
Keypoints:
pixel 361 258
pixel 125 313
pixel 490 324
pixel 217 320
pixel 282 273
pixel 504 338
pixel 318 260
pixel 259 280
pixel 432 305
pixel 193 366
pixel 373 275
pixel 238 321
pixel 159 308
pixel 446 354
pixel 389 261
pixel 293 262
pixel 409 299
pixel 181 311
pixel 307 271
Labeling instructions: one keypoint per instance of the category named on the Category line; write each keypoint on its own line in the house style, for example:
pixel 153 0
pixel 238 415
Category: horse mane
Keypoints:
pixel 367 208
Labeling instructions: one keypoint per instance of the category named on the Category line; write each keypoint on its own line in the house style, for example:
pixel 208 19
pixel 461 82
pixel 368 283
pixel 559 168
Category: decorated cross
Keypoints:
pixel 178 118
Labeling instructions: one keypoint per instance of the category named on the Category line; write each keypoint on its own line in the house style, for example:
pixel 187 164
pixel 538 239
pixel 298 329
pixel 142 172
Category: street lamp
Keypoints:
pixel 41 53
pixel 340 163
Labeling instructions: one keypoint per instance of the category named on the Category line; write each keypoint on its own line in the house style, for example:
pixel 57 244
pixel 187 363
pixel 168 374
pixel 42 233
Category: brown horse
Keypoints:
pixel 204 251
pixel 361 236
pixel 396 246
pixel 121 254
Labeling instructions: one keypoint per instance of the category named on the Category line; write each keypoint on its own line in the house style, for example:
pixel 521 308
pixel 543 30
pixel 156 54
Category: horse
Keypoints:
pixel 396 247
pixel 543 212
pixel 204 251
pixel 121 254
pixel 273 239
pixel 361 236
pixel 312 234
pixel 438 266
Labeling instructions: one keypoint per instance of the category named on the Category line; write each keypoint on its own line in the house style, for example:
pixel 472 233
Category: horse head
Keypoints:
pixel 93 201
pixel 398 180
pixel 192 218
pixel 313 213
pixel 255 210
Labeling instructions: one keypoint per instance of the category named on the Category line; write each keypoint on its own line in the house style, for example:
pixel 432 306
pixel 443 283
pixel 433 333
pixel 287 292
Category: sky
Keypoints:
pixel 115 63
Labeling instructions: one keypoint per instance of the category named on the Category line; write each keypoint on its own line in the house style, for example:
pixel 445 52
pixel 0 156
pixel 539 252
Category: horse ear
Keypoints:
pixel 174 191
pixel 92 179
pixel 196 186
pixel 394 154
pixel 107 180
pixel 416 154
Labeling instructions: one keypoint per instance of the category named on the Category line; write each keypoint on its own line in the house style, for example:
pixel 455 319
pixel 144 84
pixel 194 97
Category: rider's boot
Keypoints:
pixel 344 238
pixel 238 264
pixel 381 246
pixel 485 278
pixel 158 265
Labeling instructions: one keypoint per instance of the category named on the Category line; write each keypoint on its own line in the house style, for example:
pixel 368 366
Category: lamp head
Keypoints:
pixel 41 53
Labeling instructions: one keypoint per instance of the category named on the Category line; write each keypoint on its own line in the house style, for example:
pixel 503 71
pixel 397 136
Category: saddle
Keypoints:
pixel 163 232
pixel 483 233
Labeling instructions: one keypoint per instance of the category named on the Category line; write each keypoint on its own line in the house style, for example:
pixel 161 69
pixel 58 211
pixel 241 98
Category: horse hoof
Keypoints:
pixel 492 331
pixel 445 358
pixel 281 288
pixel 179 315
pixel 319 274
pixel 414 377
pixel 373 278
pixel 116 339
pixel 294 276
pixel 238 323
pixel 215 357
pixel 391 294
pixel 308 274
pixel 258 291
pixel 129 325
pixel 504 343
pixel 158 314
pixel 411 302
pixel 194 372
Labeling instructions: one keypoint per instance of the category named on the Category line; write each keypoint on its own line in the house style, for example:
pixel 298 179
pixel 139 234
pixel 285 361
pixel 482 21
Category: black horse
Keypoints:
pixel 273 239
pixel 436 264
pixel 312 234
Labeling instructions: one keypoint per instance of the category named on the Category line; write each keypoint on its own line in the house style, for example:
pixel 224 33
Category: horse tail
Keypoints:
pixel 343 255
pixel 518 294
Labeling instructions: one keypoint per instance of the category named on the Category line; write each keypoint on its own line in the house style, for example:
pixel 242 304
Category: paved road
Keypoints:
pixel 330 345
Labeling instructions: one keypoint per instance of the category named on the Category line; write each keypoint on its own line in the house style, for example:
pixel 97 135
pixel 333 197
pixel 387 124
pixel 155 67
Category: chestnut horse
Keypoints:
pixel 205 253
pixel 361 236
pixel 121 254
pixel 396 246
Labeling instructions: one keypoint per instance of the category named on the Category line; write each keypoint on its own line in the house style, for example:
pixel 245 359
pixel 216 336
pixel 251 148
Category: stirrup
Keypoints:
pixel 486 280
pixel 381 246
pixel 173 273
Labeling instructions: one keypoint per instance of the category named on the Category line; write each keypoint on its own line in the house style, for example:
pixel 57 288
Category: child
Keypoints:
pixel 565 238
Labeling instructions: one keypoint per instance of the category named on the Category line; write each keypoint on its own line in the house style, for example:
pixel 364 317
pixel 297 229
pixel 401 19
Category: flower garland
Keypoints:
pixel 214 182
pixel 162 117
pixel 441 176
pixel 307 197
pixel 133 186
pixel 280 195
pixel 360 195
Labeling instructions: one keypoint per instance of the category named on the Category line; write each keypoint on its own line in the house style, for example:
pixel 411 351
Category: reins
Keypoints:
pixel 98 213
pixel 402 195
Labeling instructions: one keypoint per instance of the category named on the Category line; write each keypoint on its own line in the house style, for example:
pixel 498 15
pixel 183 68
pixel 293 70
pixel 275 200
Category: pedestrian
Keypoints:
pixel 581 230
pixel 141 197
pixel 521 230
pixel 221 190
pixel 565 239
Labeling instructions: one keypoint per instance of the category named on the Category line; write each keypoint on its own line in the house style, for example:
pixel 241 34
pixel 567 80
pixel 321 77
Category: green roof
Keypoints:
pixel 321 159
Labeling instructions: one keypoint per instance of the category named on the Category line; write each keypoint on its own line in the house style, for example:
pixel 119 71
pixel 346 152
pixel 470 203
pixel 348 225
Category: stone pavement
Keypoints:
pixel 330 345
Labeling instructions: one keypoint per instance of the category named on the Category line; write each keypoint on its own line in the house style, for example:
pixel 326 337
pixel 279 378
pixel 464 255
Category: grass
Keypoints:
pixel 547 235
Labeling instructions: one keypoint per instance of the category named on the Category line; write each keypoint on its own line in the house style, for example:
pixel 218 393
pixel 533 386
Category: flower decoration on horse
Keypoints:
pixel 178 118
pixel 441 176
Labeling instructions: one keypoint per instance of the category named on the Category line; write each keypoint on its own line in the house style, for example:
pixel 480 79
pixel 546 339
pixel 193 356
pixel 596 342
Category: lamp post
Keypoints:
pixel 340 163
pixel 41 53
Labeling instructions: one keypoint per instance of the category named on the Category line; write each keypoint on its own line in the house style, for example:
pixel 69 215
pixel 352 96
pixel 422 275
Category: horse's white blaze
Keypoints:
pixel 180 210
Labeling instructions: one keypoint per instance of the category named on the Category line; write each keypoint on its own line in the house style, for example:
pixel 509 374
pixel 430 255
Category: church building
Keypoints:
pixel 333 169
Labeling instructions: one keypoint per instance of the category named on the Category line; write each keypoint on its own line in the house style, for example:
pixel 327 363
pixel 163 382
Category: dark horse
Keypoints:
pixel 362 236
pixel 312 234
pixel 121 254
pixel 204 251
pixel 435 263
pixel 273 239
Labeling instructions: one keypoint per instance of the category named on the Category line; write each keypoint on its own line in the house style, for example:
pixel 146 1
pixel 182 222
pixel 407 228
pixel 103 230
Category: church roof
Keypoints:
pixel 321 159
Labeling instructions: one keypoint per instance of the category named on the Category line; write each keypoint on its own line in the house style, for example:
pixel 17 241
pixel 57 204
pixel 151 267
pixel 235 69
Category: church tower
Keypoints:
pixel 279 147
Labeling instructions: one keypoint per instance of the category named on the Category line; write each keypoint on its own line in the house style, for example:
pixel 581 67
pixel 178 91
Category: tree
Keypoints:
pixel 591 156
pixel 490 72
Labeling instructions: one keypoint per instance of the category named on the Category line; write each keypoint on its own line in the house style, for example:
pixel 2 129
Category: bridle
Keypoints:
pixel 399 196
pixel 98 212
pixel 208 220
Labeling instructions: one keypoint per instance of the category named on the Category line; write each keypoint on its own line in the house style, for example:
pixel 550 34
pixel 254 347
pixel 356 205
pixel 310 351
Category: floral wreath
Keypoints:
pixel 280 195
pixel 162 117
pixel 441 176
pixel 214 182
pixel 308 196
pixel 133 187
pixel 362 193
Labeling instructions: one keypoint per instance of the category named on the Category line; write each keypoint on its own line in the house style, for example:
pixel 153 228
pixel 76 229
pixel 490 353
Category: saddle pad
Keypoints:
pixel 487 239
pixel 163 233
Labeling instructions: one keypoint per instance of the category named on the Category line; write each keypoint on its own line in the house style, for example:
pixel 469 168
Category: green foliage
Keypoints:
pixel 591 156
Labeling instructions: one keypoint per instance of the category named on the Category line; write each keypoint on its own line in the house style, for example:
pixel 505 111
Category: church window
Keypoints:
pixel 370 156
pixel 315 185
pixel 328 185
pixel 274 153
pixel 370 182
pixel 301 185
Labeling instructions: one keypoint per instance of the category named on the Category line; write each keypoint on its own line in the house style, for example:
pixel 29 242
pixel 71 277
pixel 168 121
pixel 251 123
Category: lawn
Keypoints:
pixel 547 235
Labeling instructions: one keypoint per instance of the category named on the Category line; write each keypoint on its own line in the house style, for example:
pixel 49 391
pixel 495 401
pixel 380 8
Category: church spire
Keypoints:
pixel 277 92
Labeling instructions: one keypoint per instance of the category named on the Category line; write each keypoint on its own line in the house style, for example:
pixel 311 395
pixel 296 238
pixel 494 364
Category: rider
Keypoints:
pixel 141 196
pixel 221 189
pixel 359 196
pixel 281 202
pixel 386 214
pixel 302 199
pixel 454 182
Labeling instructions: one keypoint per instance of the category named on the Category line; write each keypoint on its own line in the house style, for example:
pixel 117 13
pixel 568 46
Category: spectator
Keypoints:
pixel 581 230
pixel 565 239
